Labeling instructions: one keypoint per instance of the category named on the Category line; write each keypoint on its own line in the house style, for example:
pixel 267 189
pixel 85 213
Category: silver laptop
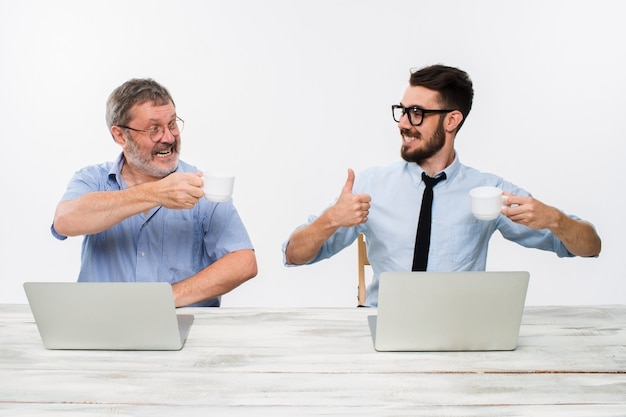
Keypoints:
pixel 449 311
pixel 107 315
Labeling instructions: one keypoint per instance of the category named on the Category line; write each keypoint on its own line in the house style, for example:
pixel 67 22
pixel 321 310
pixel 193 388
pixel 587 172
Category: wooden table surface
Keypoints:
pixel 571 361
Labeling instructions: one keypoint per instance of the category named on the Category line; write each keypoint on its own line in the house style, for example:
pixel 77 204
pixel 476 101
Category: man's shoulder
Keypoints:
pixel 380 177
pixel 99 169
pixel 385 170
pixel 102 169
pixel 472 177
pixel 186 167
pixel 468 171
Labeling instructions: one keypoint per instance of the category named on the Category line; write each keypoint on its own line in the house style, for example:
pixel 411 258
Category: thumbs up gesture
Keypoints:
pixel 350 209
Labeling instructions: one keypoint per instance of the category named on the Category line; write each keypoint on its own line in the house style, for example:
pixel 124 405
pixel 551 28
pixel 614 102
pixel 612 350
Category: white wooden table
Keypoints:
pixel 571 361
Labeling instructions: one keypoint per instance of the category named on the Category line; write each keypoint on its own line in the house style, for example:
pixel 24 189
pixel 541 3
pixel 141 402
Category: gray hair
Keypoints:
pixel 134 91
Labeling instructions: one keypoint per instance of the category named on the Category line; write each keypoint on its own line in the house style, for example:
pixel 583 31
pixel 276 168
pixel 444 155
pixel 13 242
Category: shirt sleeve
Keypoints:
pixel 224 231
pixel 84 181
pixel 525 236
pixel 341 239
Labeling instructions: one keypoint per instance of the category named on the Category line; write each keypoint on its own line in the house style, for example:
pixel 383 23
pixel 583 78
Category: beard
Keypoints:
pixel 431 146
pixel 144 160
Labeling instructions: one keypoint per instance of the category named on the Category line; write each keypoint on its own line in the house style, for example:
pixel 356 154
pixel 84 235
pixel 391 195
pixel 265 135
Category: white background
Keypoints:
pixel 289 94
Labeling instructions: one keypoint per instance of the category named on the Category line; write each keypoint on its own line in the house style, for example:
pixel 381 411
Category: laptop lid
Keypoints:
pixel 449 311
pixel 107 315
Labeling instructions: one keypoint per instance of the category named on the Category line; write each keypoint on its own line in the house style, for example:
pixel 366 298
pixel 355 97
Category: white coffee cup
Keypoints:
pixel 486 202
pixel 218 186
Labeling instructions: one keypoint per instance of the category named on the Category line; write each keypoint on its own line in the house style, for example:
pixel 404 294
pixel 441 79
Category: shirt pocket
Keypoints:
pixel 464 246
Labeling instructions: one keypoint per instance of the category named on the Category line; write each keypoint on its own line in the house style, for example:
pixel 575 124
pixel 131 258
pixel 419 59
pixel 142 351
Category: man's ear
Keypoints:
pixel 118 135
pixel 453 120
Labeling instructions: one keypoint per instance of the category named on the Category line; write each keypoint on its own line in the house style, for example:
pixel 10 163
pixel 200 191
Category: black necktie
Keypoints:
pixel 422 238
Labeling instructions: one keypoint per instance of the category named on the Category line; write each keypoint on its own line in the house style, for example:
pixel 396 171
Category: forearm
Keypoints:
pixel 306 242
pixel 100 210
pixel 221 277
pixel 578 236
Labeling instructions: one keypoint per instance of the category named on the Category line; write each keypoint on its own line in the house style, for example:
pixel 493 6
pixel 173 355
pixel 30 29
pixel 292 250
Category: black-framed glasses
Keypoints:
pixel 156 133
pixel 414 113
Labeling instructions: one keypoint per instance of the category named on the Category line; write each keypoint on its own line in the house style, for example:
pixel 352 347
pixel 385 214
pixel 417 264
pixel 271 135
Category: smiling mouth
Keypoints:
pixel 409 135
pixel 407 138
pixel 164 153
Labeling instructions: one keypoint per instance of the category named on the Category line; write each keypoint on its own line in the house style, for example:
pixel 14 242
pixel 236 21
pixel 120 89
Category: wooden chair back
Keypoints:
pixel 362 262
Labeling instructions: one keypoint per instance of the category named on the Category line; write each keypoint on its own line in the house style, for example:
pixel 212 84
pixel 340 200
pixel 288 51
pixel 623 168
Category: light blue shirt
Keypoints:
pixel 458 242
pixel 165 245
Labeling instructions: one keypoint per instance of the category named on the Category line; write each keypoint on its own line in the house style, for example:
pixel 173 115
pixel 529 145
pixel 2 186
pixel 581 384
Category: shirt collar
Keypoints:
pixel 451 170
pixel 115 172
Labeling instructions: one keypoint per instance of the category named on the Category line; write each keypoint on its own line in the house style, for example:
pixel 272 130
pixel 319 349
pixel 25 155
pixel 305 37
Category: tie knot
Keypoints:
pixel 430 181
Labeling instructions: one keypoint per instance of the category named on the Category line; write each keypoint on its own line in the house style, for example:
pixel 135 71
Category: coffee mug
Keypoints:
pixel 486 202
pixel 218 186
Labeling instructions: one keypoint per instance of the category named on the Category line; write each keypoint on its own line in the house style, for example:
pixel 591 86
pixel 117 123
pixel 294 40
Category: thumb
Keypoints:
pixel 347 188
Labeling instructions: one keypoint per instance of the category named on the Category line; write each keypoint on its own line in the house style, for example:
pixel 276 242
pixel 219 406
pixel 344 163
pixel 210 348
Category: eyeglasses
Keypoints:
pixel 414 113
pixel 156 133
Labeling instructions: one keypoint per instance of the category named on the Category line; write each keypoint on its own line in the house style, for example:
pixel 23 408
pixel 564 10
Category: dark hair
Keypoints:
pixel 453 85
pixel 134 91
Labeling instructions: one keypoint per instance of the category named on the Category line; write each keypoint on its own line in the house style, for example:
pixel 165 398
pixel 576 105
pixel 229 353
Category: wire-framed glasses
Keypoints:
pixel 414 113
pixel 156 132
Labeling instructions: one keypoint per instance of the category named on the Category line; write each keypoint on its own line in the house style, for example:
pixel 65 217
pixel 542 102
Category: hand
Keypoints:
pixel 350 209
pixel 529 212
pixel 578 236
pixel 179 190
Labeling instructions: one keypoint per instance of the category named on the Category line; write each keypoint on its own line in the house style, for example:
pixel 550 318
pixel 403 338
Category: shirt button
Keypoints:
pixel 143 254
